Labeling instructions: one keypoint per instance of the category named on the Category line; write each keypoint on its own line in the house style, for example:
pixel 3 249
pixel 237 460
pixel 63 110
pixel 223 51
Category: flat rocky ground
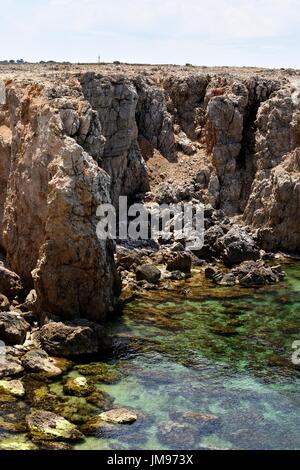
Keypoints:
pixel 155 71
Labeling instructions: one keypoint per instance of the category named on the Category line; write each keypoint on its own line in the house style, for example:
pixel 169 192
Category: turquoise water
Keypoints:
pixel 203 353
pixel 192 348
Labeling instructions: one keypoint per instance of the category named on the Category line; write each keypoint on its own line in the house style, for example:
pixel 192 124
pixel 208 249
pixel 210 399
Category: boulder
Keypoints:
pixel 10 366
pixel 149 273
pixel 119 416
pixel 12 387
pixel 79 387
pixel 38 360
pixel 252 274
pixel 237 246
pixel 10 283
pixel 72 339
pixel 179 261
pixel 13 328
pixel 47 426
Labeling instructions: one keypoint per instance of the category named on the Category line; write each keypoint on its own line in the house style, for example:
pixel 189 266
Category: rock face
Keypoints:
pixel 49 230
pixel 115 100
pixel 71 141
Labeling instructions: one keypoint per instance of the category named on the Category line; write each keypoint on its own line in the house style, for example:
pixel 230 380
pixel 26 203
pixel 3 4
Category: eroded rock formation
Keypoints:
pixel 73 139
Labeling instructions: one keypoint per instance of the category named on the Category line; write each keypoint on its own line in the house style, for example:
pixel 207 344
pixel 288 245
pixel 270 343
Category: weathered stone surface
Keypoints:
pixel 13 328
pixel 154 121
pixel 10 283
pixel 237 246
pixel 119 416
pixel 38 360
pixel 179 261
pixel 68 339
pixel 115 100
pixel 149 273
pixel 47 426
pixel 12 387
pixel 53 225
pixel 251 274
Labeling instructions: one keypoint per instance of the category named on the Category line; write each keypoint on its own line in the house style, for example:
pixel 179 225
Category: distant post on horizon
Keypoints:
pixel 2 93
pixel 99 59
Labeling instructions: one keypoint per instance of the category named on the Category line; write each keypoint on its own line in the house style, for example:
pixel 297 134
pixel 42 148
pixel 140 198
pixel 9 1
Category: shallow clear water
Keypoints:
pixel 195 347
pixel 229 357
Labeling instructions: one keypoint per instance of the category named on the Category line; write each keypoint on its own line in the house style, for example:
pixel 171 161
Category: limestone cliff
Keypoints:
pixel 73 137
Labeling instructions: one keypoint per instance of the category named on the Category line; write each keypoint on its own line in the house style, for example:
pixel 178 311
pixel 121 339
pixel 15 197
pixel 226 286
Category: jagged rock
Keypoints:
pixel 119 416
pixel 210 247
pixel 54 224
pixel 13 328
pixel 38 360
pixel 128 259
pixel 47 426
pixel 12 387
pixel 10 365
pixel 180 261
pixel 252 274
pixel 154 121
pixel 72 339
pixel 10 283
pixel 149 273
pixel 274 198
pixel 115 100
pixel 237 246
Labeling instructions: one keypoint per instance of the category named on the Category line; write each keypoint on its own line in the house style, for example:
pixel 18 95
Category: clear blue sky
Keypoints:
pixel 202 32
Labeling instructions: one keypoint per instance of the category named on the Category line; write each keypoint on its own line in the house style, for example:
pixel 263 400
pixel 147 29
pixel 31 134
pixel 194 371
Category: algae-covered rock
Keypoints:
pixel 11 426
pixel 119 416
pixel 79 387
pixel 76 410
pixel 47 426
pixel 99 372
pixel 17 443
pixel 12 387
pixel 100 399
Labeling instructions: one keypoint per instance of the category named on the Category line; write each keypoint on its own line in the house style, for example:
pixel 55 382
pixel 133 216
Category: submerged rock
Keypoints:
pixel 79 387
pixel 46 426
pixel 17 443
pixel 119 416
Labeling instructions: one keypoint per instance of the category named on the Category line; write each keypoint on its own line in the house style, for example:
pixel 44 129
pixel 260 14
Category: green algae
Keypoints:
pixel 191 348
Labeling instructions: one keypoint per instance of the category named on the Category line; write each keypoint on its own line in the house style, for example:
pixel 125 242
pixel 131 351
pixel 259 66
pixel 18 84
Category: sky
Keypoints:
pixel 262 33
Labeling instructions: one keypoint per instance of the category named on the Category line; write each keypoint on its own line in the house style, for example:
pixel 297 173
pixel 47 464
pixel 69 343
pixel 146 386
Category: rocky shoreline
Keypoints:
pixel 71 140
